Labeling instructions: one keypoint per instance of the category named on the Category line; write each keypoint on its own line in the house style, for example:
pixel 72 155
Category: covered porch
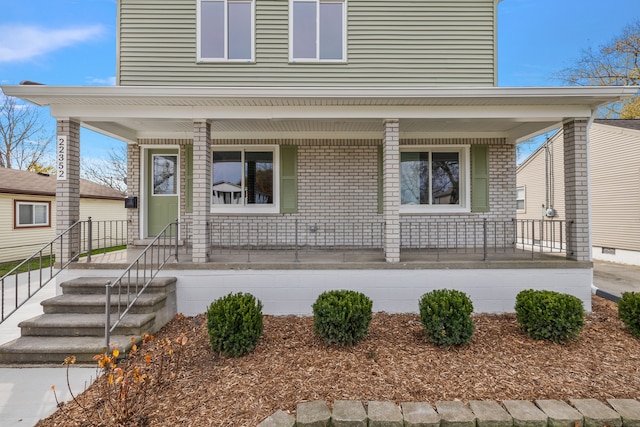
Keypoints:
pixel 335 212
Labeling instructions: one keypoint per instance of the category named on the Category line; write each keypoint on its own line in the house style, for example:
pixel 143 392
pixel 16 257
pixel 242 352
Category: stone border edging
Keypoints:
pixel 477 413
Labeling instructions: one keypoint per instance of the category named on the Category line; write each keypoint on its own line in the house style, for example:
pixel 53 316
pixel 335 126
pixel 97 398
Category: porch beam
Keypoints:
pixel 201 190
pixel 391 189
pixel 67 188
pixel 577 195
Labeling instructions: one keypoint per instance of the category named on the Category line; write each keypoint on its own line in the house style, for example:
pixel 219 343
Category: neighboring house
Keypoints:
pixel 28 210
pixel 614 160
pixel 377 124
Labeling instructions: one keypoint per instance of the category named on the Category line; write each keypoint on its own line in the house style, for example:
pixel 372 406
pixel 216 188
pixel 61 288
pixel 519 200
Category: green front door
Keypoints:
pixel 163 188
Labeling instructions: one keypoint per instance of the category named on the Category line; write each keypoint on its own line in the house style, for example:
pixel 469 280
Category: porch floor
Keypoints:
pixel 339 258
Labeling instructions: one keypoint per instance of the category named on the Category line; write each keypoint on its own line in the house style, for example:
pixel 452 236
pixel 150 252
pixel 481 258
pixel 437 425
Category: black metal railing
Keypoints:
pixel 435 238
pixel 32 274
pixel 127 288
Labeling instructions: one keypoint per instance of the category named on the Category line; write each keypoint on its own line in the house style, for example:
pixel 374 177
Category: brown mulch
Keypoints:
pixel 394 362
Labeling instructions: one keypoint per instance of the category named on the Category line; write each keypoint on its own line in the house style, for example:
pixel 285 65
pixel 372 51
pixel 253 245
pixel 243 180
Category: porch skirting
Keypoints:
pixel 291 289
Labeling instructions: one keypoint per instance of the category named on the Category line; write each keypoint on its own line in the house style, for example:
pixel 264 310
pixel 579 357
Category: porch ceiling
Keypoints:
pixel 131 113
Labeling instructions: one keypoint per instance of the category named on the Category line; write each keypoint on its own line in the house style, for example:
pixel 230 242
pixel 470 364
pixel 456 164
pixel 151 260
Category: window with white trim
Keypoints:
pixel 318 30
pixel 520 199
pixel 245 179
pixel 434 179
pixel 31 214
pixel 226 30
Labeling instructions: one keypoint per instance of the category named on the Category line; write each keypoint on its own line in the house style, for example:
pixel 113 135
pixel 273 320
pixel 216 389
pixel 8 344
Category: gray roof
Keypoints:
pixel 15 181
pixel 627 124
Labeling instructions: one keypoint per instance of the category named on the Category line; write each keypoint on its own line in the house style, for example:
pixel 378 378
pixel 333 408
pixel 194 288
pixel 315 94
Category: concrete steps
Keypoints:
pixel 73 323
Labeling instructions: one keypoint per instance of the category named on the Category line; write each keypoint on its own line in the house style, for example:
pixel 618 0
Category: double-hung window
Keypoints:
pixel 245 179
pixel 31 214
pixel 434 179
pixel 520 199
pixel 226 30
pixel 318 30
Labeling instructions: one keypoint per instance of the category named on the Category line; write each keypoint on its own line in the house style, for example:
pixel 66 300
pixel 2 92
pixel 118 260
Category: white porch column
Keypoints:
pixel 391 189
pixel 134 165
pixel 67 188
pixel 576 183
pixel 201 190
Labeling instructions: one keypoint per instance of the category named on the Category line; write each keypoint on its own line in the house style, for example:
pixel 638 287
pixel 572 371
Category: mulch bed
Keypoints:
pixel 394 362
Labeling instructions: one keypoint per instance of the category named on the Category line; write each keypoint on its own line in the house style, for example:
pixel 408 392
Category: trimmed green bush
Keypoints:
pixel 446 317
pixel 629 311
pixel 549 315
pixel 342 317
pixel 235 324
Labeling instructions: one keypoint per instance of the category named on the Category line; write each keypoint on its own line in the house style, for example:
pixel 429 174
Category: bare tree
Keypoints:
pixel 23 138
pixel 111 171
pixel 616 63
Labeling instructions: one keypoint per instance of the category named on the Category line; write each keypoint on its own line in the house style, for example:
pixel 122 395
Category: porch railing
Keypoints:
pixel 32 274
pixel 479 239
pixel 127 288
pixel 485 238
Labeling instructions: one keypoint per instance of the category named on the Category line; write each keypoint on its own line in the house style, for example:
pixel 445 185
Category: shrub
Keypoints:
pixel 629 311
pixel 446 317
pixel 548 315
pixel 235 324
pixel 342 317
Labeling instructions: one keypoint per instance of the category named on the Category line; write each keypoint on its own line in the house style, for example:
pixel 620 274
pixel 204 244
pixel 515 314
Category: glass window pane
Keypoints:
pixel 331 31
pixel 240 30
pixel 165 168
pixel 227 178
pixel 520 204
pixel 414 178
pixel 259 177
pixel 446 178
pixel 212 29
pixel 304 29
pixel 25 214
pixel 40 214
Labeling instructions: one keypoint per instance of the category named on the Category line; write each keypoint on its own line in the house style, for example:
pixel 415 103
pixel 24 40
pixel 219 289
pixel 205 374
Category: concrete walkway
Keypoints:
pixel 616 278
pixel 25 392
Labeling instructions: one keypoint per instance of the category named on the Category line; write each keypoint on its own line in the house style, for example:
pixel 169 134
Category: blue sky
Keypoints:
pixel 72 42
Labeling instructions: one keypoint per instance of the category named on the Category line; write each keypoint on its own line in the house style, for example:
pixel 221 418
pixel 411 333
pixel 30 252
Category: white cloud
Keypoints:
pixel 107 81
pixel 22 43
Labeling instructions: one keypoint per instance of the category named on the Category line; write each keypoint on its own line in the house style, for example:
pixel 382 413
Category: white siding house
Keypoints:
pixel 615 187
pixel 28 210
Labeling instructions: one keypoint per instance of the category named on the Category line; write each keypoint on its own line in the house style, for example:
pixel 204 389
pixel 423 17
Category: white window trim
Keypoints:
pixel 524 199
pixel 317 59
pixel 465 178
pixel 202 59
pixel 16 212
pixel 251 209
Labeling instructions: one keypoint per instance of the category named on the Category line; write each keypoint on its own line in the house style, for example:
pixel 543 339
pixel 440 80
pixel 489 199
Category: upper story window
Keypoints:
pixel 245 179
pixel 226 30
pixel 434 179
pixel 318 30
pixel 31 214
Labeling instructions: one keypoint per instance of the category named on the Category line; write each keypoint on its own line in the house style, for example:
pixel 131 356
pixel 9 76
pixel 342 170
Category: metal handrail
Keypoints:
pixel 149 261
pixel 88 240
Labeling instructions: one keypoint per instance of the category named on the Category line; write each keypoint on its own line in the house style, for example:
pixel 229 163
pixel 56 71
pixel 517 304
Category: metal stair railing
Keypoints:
pixel 34 273
pixel 127 287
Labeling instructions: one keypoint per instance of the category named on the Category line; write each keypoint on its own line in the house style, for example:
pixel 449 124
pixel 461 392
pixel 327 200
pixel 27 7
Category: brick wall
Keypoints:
pixel 338 198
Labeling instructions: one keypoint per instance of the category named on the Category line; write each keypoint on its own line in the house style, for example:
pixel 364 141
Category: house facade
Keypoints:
pixel 338 123
pixel 28 210
pixel 615 189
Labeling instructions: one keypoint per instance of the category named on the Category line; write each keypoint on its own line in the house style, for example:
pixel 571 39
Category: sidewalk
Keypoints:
pixel 616 278
pixel 25 393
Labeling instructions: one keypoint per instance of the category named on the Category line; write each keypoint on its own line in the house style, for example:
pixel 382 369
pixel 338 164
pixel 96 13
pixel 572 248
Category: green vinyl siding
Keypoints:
pixel 479 178
pixel 392 43
pixel 288 179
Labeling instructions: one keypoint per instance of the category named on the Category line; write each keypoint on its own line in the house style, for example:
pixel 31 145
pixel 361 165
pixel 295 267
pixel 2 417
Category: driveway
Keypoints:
pixel 616 278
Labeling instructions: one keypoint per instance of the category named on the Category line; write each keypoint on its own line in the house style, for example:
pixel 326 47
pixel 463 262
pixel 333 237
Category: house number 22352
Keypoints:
pixel 61 158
